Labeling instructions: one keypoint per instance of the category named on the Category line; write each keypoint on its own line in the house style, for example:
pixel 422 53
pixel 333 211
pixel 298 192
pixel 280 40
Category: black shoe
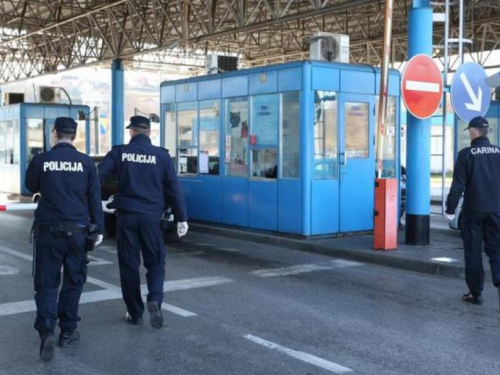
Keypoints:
pixel 156 317
pixel 47 347
pixel 134 321
pixel 67 337
pixel 475 299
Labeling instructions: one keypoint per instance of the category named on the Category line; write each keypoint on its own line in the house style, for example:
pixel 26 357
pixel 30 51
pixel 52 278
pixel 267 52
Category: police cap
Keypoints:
pixel 478 122
pixel 65 125
pixel 139 122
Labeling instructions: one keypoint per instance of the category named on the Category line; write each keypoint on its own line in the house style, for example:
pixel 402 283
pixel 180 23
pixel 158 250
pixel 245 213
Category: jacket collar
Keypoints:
pixel 140 138
pixel 480 140
pixel 64 144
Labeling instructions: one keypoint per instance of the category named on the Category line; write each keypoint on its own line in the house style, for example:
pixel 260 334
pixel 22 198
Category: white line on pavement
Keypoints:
pixel 94 261
pixel 304 268
pixel 445 260
pixel 184 284
pixel 177 310
pixel 308 358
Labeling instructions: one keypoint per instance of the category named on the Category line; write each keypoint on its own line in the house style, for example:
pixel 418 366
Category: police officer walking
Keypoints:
pixel 477 176
pixel 69 215
pixel 146 178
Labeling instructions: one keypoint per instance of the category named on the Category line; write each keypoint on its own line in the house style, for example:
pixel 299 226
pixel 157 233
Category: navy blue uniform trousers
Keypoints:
pixel 478 228
pixel 136 233
pixel 54 252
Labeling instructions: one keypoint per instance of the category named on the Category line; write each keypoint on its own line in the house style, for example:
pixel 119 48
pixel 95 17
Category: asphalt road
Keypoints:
pixel 234 307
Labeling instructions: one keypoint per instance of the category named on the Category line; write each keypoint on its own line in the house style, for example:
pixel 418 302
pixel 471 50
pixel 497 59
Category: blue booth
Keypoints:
pixel 287 148
pixel 25 131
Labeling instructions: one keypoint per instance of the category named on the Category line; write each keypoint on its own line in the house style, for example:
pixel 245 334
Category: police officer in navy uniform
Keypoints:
pixel 146 179
pixel 477 176
pixel 70 205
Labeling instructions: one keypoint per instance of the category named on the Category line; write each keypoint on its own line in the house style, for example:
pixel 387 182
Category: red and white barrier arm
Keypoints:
pixel 18 206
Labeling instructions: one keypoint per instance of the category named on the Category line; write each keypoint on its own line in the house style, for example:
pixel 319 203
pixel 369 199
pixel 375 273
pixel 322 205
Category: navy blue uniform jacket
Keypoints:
pixel 146 178
pixel 69 187
pixel 477 172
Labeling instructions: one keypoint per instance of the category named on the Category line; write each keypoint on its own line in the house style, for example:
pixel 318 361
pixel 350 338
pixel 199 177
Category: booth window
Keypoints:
pixel 209 137
pixel 187 137
pixel 34 137
pixel 170 122
pixel 236 137
pixel 290 135
pixel 356 133
pixel 80 139
pixel 389 138
pixel 3 149
pixel 325 135
pixel 263 136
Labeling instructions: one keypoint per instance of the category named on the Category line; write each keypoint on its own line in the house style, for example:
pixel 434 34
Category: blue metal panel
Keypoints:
pixel 24 157
pixel 211 89
pixel 290 79
pixel 167 94
pixel 394 83
pixel 186 92
pixel 325 207
pixel 263 205
pixel 264 82
pixel 235 86
pixel 290 206
pixel 209 207
pixel 33 112
pixel 55 112
pixel 357 82
pixel 306 146
pixel 325 78
pixel 190 188
pixel 117 102
pixel 235 201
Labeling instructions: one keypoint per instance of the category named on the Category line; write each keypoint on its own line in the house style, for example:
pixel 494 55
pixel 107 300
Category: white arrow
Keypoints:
pixel 476 100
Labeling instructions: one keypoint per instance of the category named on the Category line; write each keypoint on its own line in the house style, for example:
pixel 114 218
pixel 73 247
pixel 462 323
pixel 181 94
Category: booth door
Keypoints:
pixel 48 125
pixel 357 162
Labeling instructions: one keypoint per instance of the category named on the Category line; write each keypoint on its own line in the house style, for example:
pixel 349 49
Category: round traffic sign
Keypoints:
pixel 422 86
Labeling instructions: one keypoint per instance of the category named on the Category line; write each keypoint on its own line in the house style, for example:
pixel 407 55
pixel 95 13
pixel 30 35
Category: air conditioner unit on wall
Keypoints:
pixel 215 64
pixel 329 47
pixel 49 94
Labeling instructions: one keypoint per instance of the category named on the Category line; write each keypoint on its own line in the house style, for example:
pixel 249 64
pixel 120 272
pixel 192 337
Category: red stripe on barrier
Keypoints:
pixel 3 208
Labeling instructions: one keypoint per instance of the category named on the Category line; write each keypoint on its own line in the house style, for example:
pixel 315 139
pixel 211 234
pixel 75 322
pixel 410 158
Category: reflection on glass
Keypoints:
pixel 34 137
pixel 209 137
pixel 463 136
pixel 170 130
pixel 187 141
pixel 325 135
pixel 265 114
pixel 356 130
pixel 79 142
pixel 265 163
pixel 188 161
pixel 290 135
pixel 236 140
pixel 155 133
pixel 493 133
pixel 389 138
pixel 17 143
pixel 3 151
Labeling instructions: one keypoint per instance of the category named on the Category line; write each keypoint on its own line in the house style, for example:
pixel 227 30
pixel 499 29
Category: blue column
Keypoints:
pixel 306 146
pixel 117 102
pixel 418 159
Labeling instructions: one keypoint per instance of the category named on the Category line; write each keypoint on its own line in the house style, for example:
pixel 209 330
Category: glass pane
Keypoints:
pixel 209 136
pixel 463 136
pixel 3 151
pixel 290 135
pixel 80 137
pixel 155 133
pixel 389 139
pixel 356 130
pixel 265 163
pixel 170 130
pixel 236 141
pixel 493 133
pixel 17 142
pixel 187 124
pixel 325 135
pixel 265 114
pixel 188 161
pixel 34 136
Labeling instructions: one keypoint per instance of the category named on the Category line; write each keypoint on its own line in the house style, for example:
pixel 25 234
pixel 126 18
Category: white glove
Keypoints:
pixel 105 206
pixel 99 239
pixel 182 228
pixel 449 217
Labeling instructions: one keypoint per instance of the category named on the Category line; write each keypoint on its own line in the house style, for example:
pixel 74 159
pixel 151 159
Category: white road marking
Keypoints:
pixel 107 249
pixel 308 358
pixel 228 249
pixel 304 268
pixel 177 310
pixel 94 261
pixel 15 253
pixel 203 244
pixel 7 271
pixel 445 260
pixel 185 284
pixel 422 86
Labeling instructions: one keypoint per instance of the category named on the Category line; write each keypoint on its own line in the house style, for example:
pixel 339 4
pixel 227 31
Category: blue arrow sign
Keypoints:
pixel 470 94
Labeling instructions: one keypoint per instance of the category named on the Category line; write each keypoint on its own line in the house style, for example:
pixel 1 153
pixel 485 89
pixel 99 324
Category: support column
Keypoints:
pixel 418 158
pixel 117 102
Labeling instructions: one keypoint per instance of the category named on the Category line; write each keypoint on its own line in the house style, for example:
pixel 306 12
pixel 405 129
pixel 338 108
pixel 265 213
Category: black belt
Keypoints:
pixel 66 229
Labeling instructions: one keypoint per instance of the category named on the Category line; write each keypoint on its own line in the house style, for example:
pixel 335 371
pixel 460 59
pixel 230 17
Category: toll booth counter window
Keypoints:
pixel 80 139
pixel 290 135
pixel 34 138
pixel 325 135
pixel 356 130
pixel 236 137
pixel 389 138
pixel 263 136
pixel 170 117
pixel 209 137
pixel 9 142
pixel 187 138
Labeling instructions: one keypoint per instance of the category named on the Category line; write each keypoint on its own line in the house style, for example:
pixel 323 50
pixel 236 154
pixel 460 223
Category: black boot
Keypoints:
pixel 67 337
pixel 47 346
pixel 156 317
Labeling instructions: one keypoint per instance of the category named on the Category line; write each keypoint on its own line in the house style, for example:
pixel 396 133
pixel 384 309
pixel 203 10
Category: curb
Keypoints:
pixel 388 259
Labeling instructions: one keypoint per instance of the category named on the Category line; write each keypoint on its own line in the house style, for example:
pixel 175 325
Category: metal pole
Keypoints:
pixel 461 33
pixel 117 102
pixel 445 80
pixel 96 129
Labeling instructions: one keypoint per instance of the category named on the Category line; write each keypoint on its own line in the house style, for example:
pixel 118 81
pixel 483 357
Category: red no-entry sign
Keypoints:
pixel 422 86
